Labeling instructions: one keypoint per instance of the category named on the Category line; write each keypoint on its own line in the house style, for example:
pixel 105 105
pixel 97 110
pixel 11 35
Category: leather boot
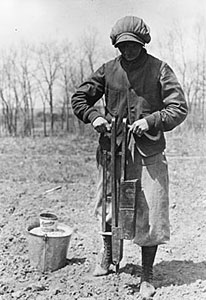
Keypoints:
pixel 104 259
pixel 147 289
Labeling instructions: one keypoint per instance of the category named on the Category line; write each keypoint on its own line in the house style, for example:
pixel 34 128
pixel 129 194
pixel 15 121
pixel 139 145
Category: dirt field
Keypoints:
pixel 29 167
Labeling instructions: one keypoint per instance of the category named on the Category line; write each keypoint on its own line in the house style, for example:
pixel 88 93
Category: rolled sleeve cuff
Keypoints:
pixel 93 115
pixel 154 120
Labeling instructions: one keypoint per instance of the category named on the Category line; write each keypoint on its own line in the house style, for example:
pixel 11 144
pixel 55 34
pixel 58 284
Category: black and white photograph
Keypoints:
pixel 102 150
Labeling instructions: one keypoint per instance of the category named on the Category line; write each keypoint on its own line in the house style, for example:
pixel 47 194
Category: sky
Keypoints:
pixel 40 20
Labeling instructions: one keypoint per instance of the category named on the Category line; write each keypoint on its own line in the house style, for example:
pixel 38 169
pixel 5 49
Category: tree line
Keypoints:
pixel 37 81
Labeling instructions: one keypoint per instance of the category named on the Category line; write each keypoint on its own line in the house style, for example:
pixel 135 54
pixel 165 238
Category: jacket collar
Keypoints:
pixel 137 63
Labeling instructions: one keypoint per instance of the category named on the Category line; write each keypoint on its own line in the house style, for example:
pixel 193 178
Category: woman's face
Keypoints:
pixel 130 50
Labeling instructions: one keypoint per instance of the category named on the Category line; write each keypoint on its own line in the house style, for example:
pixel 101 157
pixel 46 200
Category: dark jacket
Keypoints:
pixel 145 88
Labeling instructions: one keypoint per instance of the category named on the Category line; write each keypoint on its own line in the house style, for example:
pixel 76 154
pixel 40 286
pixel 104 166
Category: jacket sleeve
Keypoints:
pixel 175 108
pixel 87 94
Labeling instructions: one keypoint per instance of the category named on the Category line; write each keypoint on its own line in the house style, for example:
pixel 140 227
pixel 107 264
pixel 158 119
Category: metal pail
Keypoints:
pixel 48 251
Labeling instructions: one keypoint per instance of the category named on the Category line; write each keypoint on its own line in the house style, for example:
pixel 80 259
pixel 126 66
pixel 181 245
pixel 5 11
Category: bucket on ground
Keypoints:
pixel 48 250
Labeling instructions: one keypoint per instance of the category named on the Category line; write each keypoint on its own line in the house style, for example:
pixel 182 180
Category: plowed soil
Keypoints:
pixel 30 168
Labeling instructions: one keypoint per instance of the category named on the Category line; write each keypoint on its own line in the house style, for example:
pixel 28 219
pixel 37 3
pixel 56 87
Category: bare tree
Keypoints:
pixel 26 81
pixel 47 75
pixel 10 91
pixel 188 59
pixel 67 82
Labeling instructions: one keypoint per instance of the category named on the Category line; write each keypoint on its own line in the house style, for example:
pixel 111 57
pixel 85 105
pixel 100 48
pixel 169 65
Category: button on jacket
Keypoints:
pixel 144 88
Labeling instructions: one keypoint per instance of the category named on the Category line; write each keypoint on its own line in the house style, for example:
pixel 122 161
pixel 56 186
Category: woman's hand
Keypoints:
pixel 139 127
pixel 101 125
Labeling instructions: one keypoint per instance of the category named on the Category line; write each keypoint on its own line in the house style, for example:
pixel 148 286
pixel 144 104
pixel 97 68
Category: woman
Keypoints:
pixel 146 91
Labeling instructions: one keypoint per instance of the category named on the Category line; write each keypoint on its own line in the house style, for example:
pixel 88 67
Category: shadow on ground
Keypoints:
pixel 175 272
pixel 78 261
pixel 179 272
